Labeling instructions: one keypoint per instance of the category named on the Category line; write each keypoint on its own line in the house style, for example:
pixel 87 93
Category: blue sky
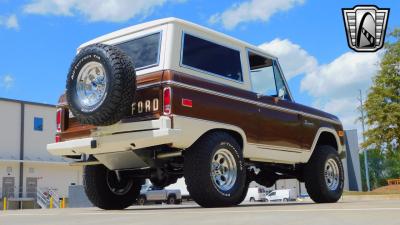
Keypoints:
pixel 39 39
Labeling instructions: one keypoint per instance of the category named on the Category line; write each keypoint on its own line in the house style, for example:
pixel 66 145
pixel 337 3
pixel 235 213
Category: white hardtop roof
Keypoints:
pixel 159 22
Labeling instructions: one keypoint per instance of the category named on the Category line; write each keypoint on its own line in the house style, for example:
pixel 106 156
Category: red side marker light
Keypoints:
pixel 187 102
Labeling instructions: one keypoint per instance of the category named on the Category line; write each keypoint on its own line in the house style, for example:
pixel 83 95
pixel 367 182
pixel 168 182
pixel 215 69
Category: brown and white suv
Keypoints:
pixel 169 99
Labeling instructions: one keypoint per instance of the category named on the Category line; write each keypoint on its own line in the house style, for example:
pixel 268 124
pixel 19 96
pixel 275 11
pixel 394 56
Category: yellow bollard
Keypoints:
pixel 63 201
pixel 4 203
pixel 51 202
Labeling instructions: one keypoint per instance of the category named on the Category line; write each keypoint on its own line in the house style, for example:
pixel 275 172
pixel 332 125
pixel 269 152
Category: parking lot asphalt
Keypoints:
pixel 375 212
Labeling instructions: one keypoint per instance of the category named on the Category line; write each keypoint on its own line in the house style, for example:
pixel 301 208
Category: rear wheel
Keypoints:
pixel 106 191
pixel 324 176
pixel 214 171
pixel 252 199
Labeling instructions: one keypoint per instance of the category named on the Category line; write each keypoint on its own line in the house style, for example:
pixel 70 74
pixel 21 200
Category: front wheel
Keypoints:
pixel 324 176
pixel 214 171
pixel 106 191
pixel 171 200
pixel 141 200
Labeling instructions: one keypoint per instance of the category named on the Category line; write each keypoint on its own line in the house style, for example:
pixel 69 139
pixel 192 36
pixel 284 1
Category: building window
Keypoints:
pixel 38 124
pixel 211 57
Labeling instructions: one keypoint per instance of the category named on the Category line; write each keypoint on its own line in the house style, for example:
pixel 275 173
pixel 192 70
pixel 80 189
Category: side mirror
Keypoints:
pixel 282 93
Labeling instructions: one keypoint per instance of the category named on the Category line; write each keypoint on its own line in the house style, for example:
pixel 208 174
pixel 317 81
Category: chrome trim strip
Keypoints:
pixel 144 86
pixel 280 148
pixel 264 105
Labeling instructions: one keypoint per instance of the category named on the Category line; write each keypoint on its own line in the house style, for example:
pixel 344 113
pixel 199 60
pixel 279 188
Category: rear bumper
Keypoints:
pixel 118 138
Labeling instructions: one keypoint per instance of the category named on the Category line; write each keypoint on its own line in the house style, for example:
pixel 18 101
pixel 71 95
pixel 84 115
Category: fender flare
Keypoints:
pixel 328 130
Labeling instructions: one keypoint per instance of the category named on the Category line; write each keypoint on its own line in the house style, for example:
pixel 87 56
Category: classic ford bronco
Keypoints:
pixel 169 99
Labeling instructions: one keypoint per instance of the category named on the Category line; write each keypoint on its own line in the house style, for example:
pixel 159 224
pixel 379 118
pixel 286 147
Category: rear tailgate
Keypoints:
pixel 147 106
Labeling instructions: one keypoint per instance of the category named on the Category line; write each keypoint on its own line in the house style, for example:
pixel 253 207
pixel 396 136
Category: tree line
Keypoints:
pixel 382 108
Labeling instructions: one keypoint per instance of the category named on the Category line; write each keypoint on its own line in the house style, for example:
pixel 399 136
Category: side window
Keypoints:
pixel 266 78
pixel 38 124
pixel 262 75
pixel 211 57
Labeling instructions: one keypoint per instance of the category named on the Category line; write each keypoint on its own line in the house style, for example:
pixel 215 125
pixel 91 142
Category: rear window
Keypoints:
pixel 211 57
pixel 144 51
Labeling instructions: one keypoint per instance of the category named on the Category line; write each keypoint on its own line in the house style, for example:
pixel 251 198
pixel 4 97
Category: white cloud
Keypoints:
pixel 334 86
pixel 293 59
pixel 9 22
pixel 96 10
pixel 7 81
pixel 345 108
pixel 347 73
pixel 252 10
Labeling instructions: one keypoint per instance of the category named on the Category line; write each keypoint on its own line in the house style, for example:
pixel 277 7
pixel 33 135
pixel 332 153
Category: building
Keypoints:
pixel 25 166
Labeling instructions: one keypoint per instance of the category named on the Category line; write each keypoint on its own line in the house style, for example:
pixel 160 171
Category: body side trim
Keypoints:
pixel 279 148
pixel 278 108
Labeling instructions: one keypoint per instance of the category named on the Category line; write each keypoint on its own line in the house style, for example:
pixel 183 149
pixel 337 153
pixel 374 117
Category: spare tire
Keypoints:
pixel 101 85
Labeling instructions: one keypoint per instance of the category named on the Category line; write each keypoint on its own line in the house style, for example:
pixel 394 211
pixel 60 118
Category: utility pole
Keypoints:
pixel 363 136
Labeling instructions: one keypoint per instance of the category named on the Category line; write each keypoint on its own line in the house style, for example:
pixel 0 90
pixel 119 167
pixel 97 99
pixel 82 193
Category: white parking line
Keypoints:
pixel 158 212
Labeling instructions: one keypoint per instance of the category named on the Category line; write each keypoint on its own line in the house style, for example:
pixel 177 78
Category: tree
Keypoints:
pixel 378 167
pixel 383 103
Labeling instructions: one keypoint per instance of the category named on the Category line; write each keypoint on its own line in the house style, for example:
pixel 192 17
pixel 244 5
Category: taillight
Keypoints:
pixel 59 118
pixel 167 97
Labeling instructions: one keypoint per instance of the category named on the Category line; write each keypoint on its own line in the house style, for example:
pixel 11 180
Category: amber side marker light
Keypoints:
pixel 340 133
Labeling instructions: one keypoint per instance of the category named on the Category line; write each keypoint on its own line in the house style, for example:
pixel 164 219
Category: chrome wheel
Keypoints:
pixel 118 187
pixel 331 174
pixel 91 85
pixel 223 170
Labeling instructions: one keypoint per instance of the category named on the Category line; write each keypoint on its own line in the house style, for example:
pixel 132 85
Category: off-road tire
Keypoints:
pixel 197 170
pixel 99 193
pixel 121 85
pixel 314 175
pixel 244 192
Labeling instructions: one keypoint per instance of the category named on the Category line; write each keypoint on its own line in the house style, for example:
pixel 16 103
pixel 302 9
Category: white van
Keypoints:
pixel 284 195
pixel 255 194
